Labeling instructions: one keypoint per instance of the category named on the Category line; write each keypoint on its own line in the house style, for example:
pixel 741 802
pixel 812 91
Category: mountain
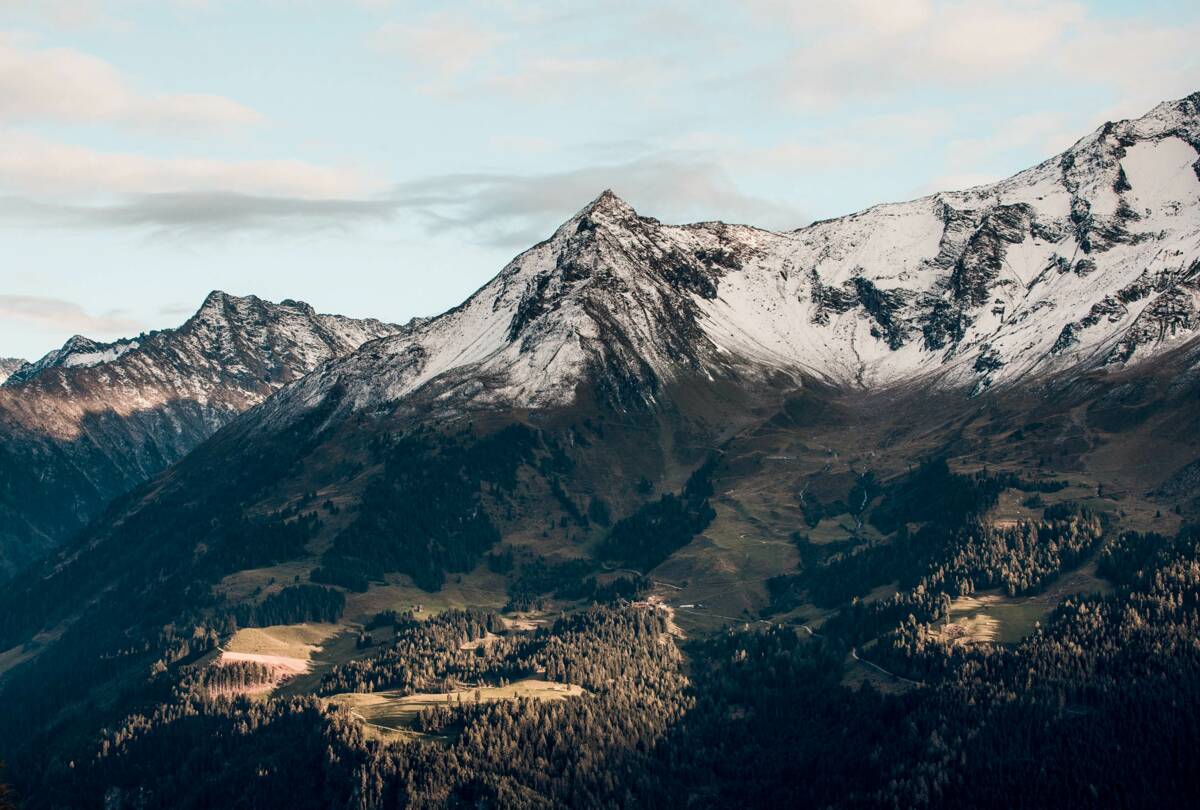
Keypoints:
pixel 8 365
pixel 881 454
pixel 90 420
pixel 1086 260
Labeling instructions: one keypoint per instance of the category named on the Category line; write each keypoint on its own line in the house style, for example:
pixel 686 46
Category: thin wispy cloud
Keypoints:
pixel 445 43
pixel 508 210
pixel 846 52
pixel 37 166
pixel 199 214
pixel 475 50
pixel 65 14
pixel 517 209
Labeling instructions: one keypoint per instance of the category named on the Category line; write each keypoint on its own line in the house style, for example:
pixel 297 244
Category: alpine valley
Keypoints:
pixel 893 510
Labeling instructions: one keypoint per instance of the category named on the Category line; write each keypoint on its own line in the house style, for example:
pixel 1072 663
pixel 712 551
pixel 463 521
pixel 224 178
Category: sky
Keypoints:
pixel 385 158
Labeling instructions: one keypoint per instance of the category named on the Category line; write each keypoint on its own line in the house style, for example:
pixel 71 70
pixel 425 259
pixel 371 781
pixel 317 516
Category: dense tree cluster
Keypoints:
pixel 149 578
pixel 424 656
pixel 1099 706
pixel 351 580
pixel 423 515
pixel 951 549
pixel 535 578
pixel 1104 698
pixel 656 529
pixel 293 605
pixel 1019 558
pixel 589 751
pixel 231 677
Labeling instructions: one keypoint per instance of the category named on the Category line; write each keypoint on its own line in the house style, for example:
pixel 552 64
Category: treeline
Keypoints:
pixel 1099 707
pixel 1021 559
pixel 1105 698
pixel 292 605
pixel 533 579
pixel 230 678
pixel 424 656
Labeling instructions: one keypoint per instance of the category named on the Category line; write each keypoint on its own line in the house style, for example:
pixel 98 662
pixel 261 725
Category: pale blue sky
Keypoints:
pixel 387 158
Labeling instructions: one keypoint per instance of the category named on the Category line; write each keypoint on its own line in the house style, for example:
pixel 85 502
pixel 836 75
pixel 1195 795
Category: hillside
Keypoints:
pixel 88 421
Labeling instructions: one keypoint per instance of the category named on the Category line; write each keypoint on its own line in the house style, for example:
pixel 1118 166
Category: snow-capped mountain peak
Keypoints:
pixel 606 210
pixel 78 351
pixel 1088 259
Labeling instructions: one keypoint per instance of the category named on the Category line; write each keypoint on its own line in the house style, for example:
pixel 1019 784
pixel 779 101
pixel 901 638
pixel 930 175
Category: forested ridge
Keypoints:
pixel 1097 706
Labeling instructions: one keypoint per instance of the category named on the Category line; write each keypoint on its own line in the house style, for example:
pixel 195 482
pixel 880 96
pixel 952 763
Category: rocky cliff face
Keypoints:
pixel 88 421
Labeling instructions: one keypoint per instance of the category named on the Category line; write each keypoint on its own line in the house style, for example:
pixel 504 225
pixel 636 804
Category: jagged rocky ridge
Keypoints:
pixel 1089 259
pixel 90 420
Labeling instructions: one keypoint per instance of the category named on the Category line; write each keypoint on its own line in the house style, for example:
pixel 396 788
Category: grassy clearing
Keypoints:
pixel 245 585
pixel 392 714
pixel 526 621
pixel 993 617
pixel 288 640
pixel 301 652
pixel 24 652
pixel 882 592
pixel 339 649
pixel 840 527
pixel 723 570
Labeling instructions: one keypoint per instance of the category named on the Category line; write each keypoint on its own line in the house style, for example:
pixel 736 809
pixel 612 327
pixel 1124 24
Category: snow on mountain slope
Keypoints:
pixel 1049 269
pixel 1088 259
pixel 90 420
pixel 78 351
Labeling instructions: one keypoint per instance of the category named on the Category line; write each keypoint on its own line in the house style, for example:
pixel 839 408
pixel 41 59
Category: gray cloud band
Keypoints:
pixel 509 210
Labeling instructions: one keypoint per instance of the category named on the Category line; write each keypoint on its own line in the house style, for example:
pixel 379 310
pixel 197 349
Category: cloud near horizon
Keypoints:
pixel 59 314
pixel 42 168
